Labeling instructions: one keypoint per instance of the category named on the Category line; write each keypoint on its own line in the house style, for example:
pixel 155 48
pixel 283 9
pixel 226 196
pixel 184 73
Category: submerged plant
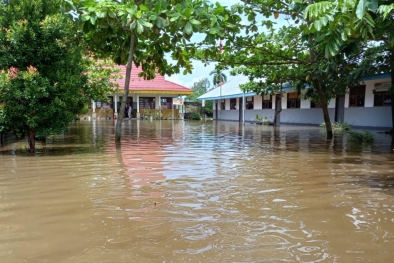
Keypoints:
pixel 338 126
pixel 361 137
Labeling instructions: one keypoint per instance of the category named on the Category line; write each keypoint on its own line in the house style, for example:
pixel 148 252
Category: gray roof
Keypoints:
pixel 231 88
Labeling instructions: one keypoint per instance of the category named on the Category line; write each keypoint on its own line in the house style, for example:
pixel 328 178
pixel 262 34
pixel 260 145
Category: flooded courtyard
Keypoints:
pixel 197 192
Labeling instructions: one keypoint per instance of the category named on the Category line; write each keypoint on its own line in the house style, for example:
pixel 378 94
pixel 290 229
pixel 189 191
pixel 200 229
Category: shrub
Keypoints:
pixel 195 116
pixel 338 126
pixel 360 137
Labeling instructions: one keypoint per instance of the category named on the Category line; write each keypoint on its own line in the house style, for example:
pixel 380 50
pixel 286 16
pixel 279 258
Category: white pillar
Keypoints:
pixel 93 109
pixel 138 106
pixel 243 108
pixel 116 105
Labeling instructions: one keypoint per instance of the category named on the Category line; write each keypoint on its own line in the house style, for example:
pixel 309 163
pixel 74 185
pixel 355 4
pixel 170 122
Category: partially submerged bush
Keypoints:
pixel 361 137
pixel 338 126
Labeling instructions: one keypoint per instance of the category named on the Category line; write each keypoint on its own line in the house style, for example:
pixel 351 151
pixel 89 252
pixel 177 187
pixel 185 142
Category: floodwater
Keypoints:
pixel 197 192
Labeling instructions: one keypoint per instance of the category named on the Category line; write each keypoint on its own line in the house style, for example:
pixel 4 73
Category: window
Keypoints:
pixel 222 105
pixel 293 102
pixel 233 104
pixel 166 103
pixel 382 95
pixel 267 102
pixel 101 104
pixel 382 98
pixel 147 103
pixel 249 103
pixel 357 96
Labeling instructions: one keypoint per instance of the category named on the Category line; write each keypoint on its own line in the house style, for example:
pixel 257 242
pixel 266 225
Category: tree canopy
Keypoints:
pixel 44 74
pixel 321 47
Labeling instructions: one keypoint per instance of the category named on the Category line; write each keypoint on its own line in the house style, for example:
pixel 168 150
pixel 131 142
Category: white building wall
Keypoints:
pixel 227 104
pixel 258 101
pixel 284 101
pixel 305 104
pixel 369 97
pixel 331 104
pixel 347 100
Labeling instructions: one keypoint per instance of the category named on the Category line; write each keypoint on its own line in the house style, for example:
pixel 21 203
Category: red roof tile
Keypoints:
pixel 158 84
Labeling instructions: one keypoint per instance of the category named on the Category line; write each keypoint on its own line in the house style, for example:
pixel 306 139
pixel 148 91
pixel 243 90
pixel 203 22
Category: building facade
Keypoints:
pixel 366 105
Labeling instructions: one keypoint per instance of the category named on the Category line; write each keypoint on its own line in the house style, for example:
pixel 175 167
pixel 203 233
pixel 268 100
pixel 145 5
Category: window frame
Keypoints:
pixel 166 104
pixel 249 101
pixel 150 102
pixel 293 103
pixel 357 93
pixel 266 101
pixel 385 94
pixel 233 104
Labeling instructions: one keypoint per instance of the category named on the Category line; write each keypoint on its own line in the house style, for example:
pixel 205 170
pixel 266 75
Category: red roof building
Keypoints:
pixel 157 85
pixel 150 97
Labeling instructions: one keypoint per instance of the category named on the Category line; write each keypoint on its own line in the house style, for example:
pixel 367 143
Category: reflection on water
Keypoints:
pixel 198 192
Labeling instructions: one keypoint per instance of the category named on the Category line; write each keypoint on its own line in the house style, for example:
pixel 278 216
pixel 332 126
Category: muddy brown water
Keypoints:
pixel 197 192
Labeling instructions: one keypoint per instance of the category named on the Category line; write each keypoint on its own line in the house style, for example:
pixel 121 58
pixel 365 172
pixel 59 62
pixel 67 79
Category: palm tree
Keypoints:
pixel 218 77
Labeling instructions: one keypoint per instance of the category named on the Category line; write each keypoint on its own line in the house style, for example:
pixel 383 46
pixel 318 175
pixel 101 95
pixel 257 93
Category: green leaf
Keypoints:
pixel 133 24
pixel 85 18
pixel 187 13
pixel 140 27
pixel 144 8
pixel 317 25
pixel 111 14
pixel 219 10
pixel 188 29
pixel 360 9
pixel 175 18
pixel 145 23
pixel 213 31
pixel 195 22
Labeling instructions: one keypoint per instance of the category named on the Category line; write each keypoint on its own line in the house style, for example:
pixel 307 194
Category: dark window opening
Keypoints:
pixel 293 102
pixel 382 98
pixel 267 102
pixel 357 96
pixel 233 104
pixel 147 103
pixel 166 103
pixel 249 103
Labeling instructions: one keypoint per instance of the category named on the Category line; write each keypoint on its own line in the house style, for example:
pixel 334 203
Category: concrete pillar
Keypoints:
pixel 138 106
pixel 94 115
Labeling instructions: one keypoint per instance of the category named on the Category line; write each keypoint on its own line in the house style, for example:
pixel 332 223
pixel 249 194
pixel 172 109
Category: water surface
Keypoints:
pixel 197 192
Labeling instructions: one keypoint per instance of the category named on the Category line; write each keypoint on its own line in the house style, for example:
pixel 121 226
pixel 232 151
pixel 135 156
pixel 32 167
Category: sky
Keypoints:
pixel 200 71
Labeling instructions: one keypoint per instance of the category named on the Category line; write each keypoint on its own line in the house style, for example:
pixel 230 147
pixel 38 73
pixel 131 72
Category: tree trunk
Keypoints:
pixel 324 107
pixel 118 129
pixel 275 116
pixel 317 86
pixel 392 89
pixel 31 137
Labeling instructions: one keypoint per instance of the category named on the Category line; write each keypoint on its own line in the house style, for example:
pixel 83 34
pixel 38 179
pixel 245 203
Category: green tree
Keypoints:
pixel 300 53
pixel 44 78
pixel 218 77
pixel 199 88
pixel 143 32
pixel 362 21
